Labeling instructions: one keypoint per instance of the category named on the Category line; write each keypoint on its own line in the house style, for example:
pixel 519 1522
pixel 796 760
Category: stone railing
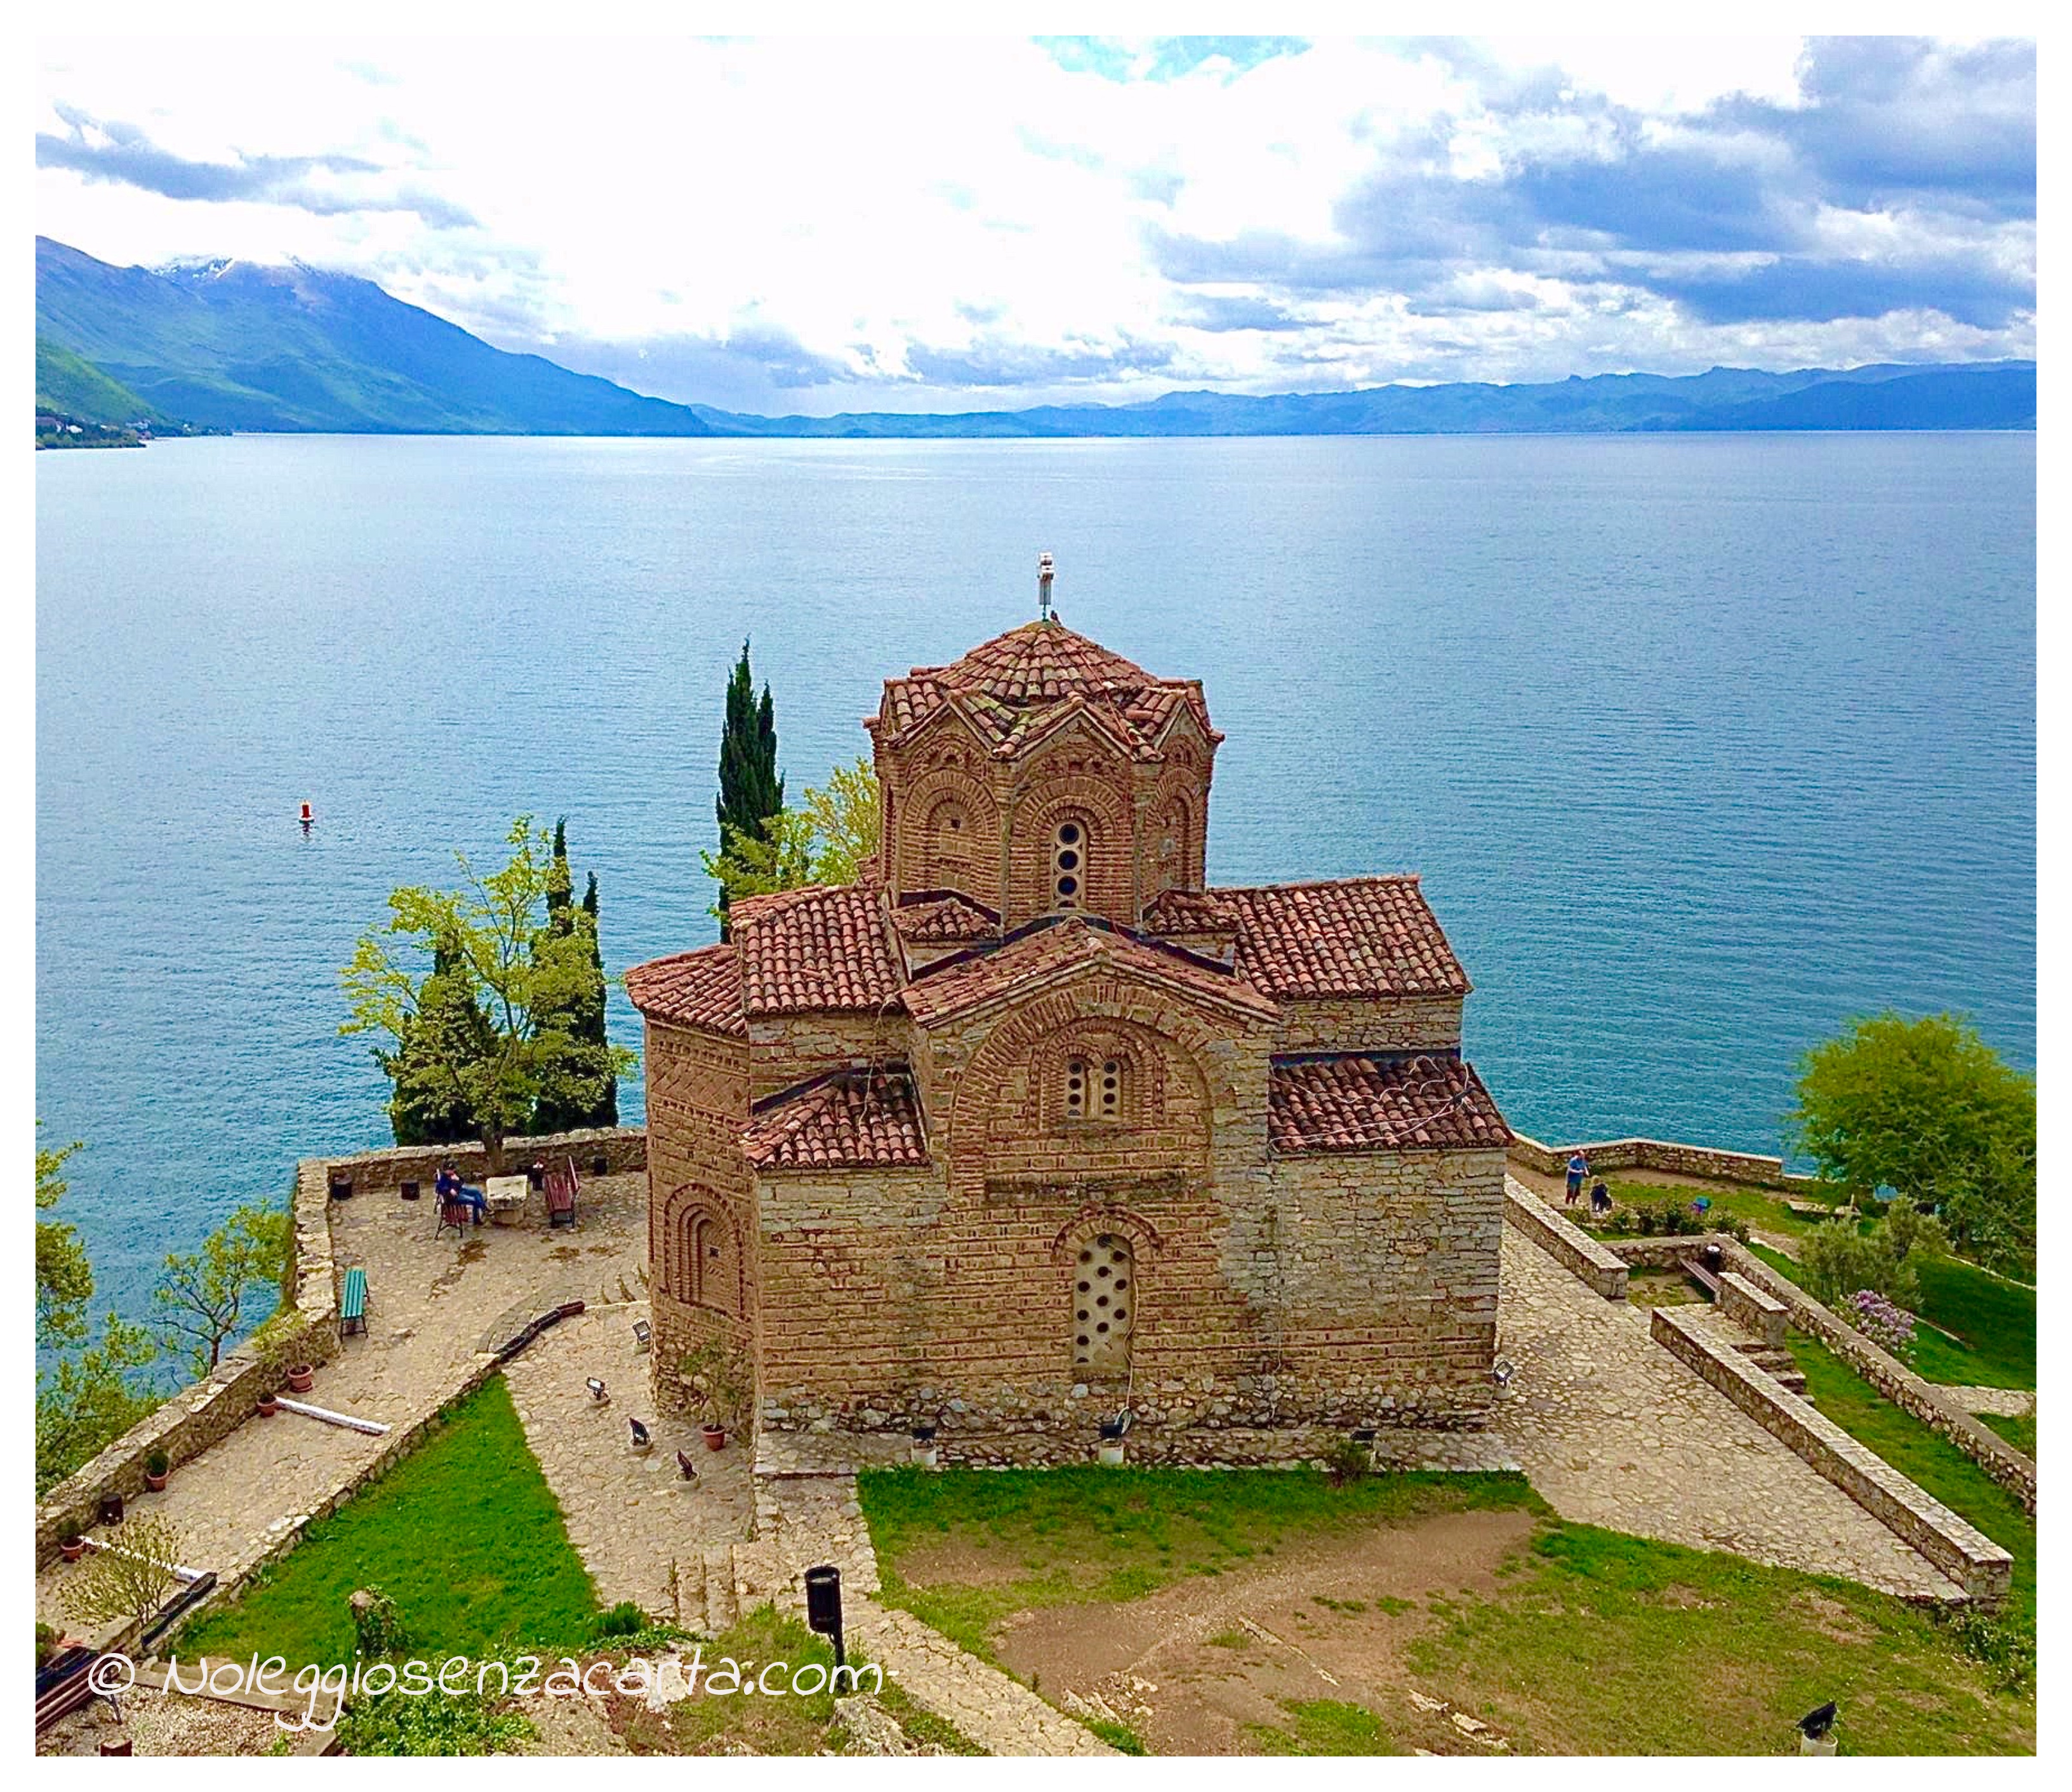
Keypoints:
pixel 622 1149
pixel 1757 1312
pixel 1964 1554
pixel 1920 1400
pixel 1663 1154
pixel 305 1329
pixel 1604 1271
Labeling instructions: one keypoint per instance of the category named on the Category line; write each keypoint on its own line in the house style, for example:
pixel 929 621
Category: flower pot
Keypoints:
pixel 269 1405
pixel 715 1437
pixel 72 1548
pixel 117 1745
pixel 302 1378
pixel 157 1482
pixel 341 1188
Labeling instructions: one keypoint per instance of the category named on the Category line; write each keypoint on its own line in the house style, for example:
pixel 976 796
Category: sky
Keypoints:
pixel 803 224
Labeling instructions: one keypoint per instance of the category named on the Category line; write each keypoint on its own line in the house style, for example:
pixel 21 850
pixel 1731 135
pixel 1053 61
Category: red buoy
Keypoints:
pixel 308 814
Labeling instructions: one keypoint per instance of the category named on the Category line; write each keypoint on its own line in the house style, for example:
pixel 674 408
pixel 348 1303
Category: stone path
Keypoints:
pixel 2005 1403
pixel 1612 1430
pixel 631 1517
pixel 432 1304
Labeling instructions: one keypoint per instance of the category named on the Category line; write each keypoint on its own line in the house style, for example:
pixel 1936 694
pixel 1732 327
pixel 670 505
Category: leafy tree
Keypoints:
pixel 200 1301
pixel 64 1277
pixel 827 839
pixel 751 790
pixel 86 1401
pixel 131 1577
pixel 449 1027
pixel 1840 1258
pixel 525 977
pixel 1925 1107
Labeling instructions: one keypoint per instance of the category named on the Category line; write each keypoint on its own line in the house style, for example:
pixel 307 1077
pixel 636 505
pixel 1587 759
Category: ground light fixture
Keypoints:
pixel 824 1610
pixel 598 1395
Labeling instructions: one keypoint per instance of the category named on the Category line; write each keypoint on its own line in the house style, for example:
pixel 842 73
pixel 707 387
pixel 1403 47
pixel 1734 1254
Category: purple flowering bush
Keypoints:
pixel 1888 1326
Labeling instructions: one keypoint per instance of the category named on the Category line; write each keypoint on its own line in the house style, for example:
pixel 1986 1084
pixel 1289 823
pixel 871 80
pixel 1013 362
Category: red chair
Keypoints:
pixel 454 1212
pixel 561 1186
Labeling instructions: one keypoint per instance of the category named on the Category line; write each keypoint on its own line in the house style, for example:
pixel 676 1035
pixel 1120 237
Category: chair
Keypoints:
pixel 561 1187
pixel 454 1213
pixel 352 1303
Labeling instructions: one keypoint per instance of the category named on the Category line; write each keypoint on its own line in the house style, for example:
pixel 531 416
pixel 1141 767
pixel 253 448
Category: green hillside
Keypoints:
pixel 73 387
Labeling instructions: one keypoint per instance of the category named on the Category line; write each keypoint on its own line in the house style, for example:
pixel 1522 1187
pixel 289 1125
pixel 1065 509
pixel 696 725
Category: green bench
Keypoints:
pixel 352 1303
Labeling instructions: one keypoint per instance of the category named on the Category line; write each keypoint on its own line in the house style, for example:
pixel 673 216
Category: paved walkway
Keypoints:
pixel 432 1306
pixel 1612 1430
pixel 631 1517
pixel 2005 1403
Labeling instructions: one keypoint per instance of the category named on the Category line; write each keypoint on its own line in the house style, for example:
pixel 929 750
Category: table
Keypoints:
pixel 506 1196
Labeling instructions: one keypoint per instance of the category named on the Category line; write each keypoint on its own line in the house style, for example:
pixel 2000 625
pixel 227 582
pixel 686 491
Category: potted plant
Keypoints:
pixel 712 1373
pixel 157 1468
pixel 302 1378
pixel 270 1404
pixel 71 1545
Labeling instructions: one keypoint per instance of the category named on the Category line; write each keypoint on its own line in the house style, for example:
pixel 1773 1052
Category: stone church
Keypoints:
pixel 1032 1128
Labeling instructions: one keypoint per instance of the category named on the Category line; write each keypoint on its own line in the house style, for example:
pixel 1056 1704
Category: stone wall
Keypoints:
pixel 792 1049
pixel 1603 1271
pixel 1922 1399
pixel 205 1411
pixel 1661 1154
pixel 1425 1023
pixel 624 1149
pixel 1758 1313
pixel 1968 1557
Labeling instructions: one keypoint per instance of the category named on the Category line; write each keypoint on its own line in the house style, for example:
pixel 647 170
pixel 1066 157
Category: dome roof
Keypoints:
pixel 1041 663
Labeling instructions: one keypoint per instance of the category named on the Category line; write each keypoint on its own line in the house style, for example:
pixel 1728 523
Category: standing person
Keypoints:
pixel 1579 1167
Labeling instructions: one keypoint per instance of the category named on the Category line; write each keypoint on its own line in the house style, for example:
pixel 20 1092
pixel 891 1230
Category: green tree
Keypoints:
pixel 449 1028
pixel 129 1577
pixel 1926 1108
pixel 525 977
pixel 589 1096
pixel 201 1295
pixel 1840 1257
pixel 751 790
pixel 86 1401
pixel 64 1277
pixel 827 839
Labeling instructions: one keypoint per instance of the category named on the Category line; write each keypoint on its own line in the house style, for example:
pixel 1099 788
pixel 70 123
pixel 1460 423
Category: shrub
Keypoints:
pixel 378 1629
pixel 1888 1327
pixel 1347 1459
pixel 47 1642
pixel 158 1462
pixel 625 1619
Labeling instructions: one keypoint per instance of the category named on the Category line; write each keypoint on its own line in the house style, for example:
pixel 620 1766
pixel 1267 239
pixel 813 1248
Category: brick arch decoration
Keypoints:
pixel 1077 1249
pixel 702 1262
pixel 1173 849
pixel 1105 809
pixel 921 864
pixel 1143 1058
pixel 1155 1023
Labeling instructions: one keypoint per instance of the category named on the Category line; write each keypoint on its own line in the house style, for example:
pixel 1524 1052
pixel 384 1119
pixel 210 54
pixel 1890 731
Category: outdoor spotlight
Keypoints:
pixel 597 1392
pixel 824 1612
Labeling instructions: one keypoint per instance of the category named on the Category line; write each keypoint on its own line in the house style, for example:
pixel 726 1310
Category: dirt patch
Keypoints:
pixel 1202 1666
pixel 1831 1618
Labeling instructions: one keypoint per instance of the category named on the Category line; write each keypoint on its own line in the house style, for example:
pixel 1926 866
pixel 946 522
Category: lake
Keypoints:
pixel 1702 743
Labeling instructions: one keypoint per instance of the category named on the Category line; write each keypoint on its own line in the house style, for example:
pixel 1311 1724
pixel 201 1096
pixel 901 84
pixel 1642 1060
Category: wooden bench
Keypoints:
pixel 561 1187
pixel 352 1303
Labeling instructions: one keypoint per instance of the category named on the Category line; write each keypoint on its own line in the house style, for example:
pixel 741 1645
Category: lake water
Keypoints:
pixel 1701 743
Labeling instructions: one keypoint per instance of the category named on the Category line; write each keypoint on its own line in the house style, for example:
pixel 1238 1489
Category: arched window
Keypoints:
pixel 1069 844
pixel 702 1272
pixel 1172 854
pixel 1103 1297
pixel 1095 1087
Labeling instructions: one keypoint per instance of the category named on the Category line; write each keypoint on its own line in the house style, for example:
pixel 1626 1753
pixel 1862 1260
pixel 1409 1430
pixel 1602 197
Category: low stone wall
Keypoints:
pixel 1604 1271
pixel 624 1149
pixel 1922 1399
pixel 1663 1154
pixel 1755 1311
pixel 1966 1555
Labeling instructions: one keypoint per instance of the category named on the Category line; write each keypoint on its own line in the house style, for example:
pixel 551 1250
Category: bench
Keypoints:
pixel 455 1213
pixel 352 1303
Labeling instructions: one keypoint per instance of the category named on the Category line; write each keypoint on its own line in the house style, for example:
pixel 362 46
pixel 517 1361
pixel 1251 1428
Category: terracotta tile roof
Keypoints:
pixel 700 988
pixel 1380 1104
pixel 1188 912
pixel 949 919
pixel 1355 936
pixel 1016 687
pixel 816 951
pixel 846 1120
pixel 1046 949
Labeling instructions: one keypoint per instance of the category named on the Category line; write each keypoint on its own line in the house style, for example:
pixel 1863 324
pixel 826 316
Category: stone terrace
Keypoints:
pixel 437 1311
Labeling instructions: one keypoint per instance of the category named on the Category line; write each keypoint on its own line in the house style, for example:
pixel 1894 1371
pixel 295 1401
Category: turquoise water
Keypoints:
pixel 1701 743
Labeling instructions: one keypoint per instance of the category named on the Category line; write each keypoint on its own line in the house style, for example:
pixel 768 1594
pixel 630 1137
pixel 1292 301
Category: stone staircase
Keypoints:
pixel 1776 1362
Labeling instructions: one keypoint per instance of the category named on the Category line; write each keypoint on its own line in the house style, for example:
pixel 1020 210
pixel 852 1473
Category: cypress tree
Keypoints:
pixel 592 1030
pixel 559 883
pixel 751 790
pixel 558 1110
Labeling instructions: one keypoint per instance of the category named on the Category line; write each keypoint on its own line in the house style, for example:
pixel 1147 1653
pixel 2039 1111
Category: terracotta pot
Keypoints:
pixel 267 1406
pixel 72 1552
pixel 119 1746
pixel 715 1437
pixel 302 1378
pixel 157 1482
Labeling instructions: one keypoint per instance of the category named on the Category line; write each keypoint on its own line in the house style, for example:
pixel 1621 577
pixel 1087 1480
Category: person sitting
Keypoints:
pixel 450 1187
pixel 1601 1198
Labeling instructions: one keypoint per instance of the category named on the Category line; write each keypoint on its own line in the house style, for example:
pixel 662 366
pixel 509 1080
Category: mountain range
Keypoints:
pixel 235 345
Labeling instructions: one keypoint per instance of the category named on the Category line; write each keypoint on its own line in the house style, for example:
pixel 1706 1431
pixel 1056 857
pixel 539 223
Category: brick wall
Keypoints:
pixel 1428 1023
pixel 789 1048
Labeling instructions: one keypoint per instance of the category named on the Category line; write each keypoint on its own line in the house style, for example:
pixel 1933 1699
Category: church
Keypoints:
pixel 1032 1136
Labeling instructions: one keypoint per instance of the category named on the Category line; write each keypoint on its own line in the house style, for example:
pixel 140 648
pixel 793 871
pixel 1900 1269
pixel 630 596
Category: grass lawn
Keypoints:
pixel 1084 1534
pixel 463 1534
pixel 1933 1463
pixel 1586 1641
pixel 2020 1432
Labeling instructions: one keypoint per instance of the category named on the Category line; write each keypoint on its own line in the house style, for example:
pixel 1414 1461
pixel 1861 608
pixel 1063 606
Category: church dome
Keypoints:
pixel 1041 663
